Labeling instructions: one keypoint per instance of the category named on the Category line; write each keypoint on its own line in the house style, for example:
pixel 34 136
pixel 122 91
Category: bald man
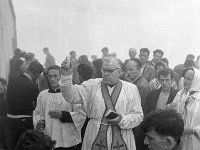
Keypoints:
pixel 113 106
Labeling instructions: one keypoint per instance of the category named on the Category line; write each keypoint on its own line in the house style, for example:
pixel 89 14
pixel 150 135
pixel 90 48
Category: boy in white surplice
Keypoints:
pixel 59 119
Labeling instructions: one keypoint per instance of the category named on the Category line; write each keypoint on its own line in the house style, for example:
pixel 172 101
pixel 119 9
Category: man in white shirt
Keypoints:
pixel 97 96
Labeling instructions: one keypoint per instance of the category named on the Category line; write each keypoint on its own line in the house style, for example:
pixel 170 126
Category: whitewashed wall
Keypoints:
pixel 7 35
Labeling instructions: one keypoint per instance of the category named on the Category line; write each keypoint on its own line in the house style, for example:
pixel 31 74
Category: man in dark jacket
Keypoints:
pixel 133 75
pixel 158 99
pixel 22 94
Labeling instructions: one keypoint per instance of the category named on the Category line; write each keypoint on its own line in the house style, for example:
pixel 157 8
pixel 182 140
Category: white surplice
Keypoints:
pixel 65 134
pixel 90 96
pixel 189 108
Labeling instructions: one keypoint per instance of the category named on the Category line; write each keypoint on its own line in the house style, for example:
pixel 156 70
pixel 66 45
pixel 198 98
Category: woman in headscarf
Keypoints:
pixel 187 102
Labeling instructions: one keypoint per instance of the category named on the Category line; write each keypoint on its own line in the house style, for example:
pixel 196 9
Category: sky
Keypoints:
pixel 87 26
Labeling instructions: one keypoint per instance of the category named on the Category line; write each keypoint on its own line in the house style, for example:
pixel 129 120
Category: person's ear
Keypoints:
pixel 169 141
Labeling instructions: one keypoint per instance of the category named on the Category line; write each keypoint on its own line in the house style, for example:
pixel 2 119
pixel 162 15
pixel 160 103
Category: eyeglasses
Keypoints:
pixel 103 70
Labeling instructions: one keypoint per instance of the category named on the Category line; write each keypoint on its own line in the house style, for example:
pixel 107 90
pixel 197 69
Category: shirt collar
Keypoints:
pixel 54 90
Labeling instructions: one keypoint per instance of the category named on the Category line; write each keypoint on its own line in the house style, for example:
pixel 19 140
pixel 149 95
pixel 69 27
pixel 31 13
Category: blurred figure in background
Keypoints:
pixel 94 57
pixel 105 52
pixel 146 70
pixel 179 68
pixel 49 60
pixel 74 63
pixel 15 63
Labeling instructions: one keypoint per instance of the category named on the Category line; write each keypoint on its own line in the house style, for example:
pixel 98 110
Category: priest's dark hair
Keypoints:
pixel 34 140
pixel 166 122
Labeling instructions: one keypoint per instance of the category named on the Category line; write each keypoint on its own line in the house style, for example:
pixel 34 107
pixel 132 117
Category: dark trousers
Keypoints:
pixel 76 147
pixel 18 127
pixel 5 135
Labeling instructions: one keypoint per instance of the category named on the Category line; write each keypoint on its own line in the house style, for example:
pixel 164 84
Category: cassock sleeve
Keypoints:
pixel 134 114
pixel 76 94
pixel 38 113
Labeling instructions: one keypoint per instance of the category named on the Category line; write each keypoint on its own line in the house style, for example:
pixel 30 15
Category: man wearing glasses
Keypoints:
pixel 113 106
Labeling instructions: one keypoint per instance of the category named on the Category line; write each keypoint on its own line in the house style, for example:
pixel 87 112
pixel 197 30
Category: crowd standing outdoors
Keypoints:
pixel 106 104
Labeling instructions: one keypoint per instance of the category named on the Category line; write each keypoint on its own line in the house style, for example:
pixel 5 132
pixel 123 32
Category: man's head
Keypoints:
pixel 34 70
pixel 94 57
pixel 85 72
pixel 72 54
pixel 163 129
pixel 190 56
pixel 54 76
pixel 105 52
pixel 34 140
pixel 144 55
pixel 18 52
pixel 189 63
pixel 110 71
pixel 132 53
pixel 133 68
pixel 46 50
pixel 188 75
pixel 166 78
pixel 158 53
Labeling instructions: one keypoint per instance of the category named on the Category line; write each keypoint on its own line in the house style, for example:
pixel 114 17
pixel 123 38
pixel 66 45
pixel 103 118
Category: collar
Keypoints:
pixel 54 90
pixel 137 79
pixel 28 76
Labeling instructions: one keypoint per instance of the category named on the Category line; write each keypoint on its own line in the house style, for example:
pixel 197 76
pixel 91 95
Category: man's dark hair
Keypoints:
pixel 166 122
pixel 54 67
pixel 158 51
pixel 34 140
pixel 145 50
pixel 85 71
pixel 3 81
pixel 137 61
pixel 165 72
pixel 104 49
pixel 186 70
pixel 35 67
pixel 189 63
pixel 190 56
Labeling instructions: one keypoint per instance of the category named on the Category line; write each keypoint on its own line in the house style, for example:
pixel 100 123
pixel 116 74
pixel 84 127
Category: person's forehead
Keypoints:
pixel 131 64
pixel 189 73
pixel 157 54
pixel 165 76
pixel 111 64
pixel 144 52
pixel 152 133
pixel 53 71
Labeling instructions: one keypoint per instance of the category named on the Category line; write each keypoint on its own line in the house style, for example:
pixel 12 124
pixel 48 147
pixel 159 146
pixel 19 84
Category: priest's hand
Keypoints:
pixel 66 67
pixel 40 125
pixel 115 121
pixel 55 114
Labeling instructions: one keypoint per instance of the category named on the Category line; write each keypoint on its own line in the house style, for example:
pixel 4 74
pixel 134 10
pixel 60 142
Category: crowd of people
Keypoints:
pixel 103 104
